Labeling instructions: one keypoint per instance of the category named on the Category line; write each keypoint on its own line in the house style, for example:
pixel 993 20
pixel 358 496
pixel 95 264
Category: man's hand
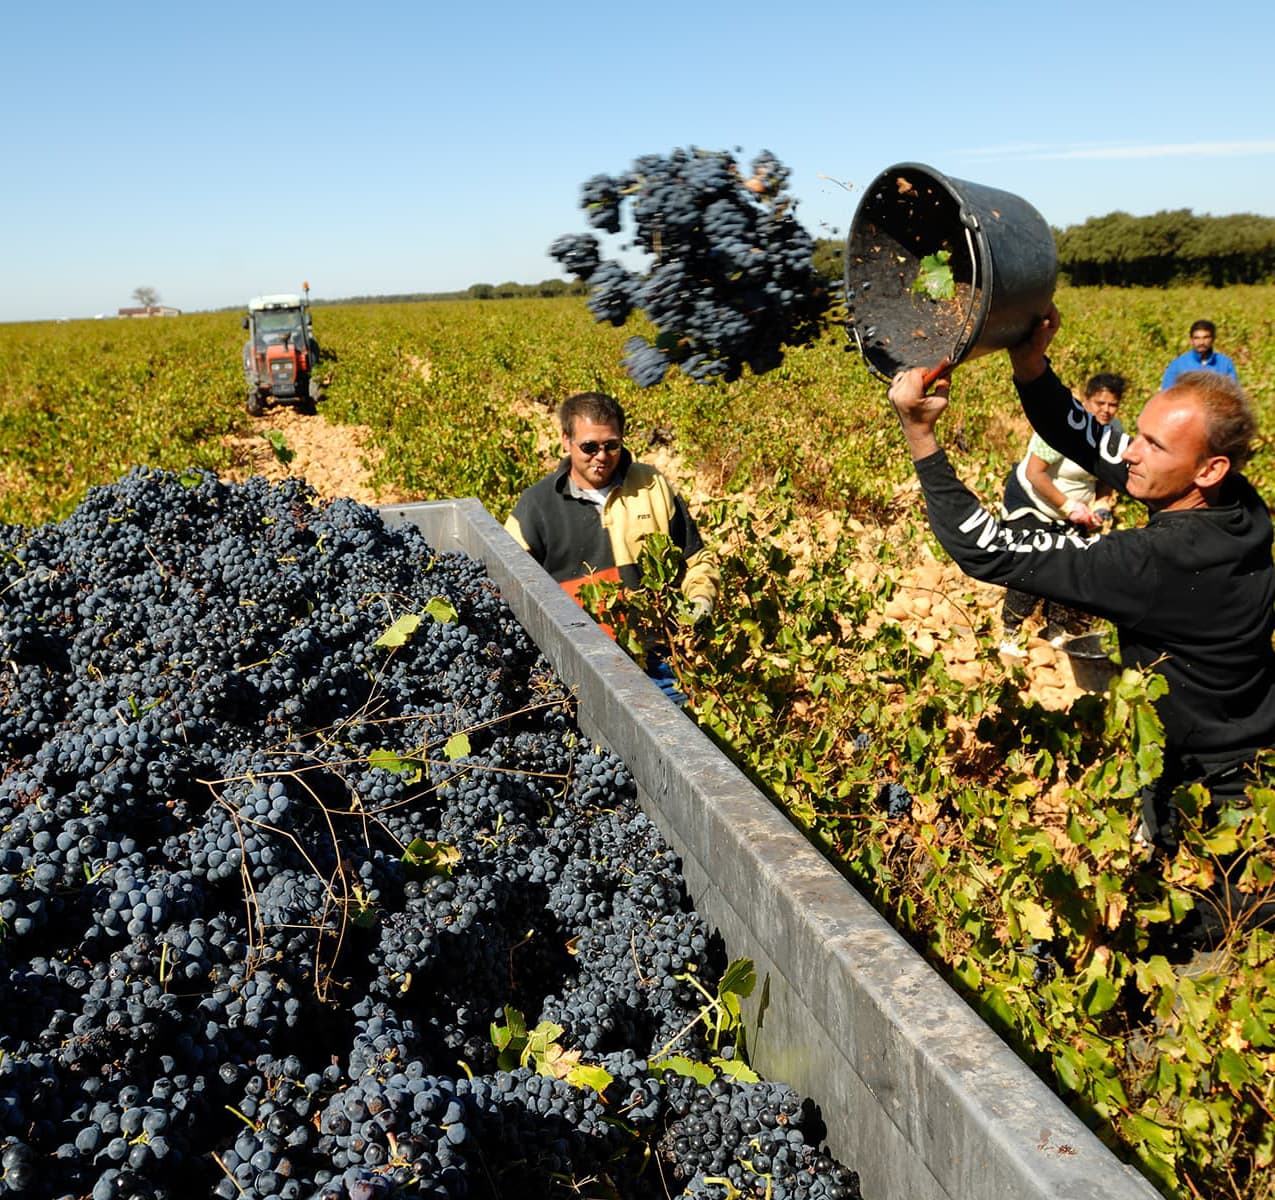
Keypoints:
pixel 701 610
pixel 1028 357
pixel 918 409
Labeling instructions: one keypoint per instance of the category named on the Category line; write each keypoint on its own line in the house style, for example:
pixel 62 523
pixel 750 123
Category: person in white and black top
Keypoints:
pixel 1046 490
pixel 1191 593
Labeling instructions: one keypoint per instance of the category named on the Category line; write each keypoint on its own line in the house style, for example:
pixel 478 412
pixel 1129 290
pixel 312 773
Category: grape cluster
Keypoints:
pixel 895 799
pixel 757 1137
pixel 730 280
pixel 257 920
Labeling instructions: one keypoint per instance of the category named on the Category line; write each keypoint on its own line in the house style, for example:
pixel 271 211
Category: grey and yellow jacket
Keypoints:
pixel 574 539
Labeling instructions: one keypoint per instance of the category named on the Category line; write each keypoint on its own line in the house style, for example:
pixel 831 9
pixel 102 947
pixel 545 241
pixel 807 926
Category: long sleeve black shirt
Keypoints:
pixel 1192 594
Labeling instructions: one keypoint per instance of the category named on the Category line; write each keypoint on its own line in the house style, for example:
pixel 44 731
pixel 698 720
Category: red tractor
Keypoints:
pixel 281 355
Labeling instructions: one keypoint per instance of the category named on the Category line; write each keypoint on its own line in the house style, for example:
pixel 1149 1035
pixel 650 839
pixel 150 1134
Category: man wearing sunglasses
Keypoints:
pixel 586 521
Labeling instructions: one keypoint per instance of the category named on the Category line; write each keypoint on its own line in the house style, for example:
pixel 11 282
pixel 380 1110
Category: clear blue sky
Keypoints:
pixel 217 151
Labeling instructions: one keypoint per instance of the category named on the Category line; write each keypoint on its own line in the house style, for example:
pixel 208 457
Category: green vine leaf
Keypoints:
pixel 279 446
pixel 427 858
pixel 400 633
pixel 409 768
pixel 442 610
pixel 679 1064
pixel 457 747
pixel 585 1076
pixel 935 279
pixel 737 1069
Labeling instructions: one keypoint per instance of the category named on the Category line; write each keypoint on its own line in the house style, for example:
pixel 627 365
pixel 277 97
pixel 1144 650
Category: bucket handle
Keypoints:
pixel 948 363
pixel 968 328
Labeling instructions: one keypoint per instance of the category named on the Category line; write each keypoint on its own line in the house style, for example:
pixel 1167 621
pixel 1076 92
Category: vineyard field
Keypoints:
pixel 82 401
pixel 831 673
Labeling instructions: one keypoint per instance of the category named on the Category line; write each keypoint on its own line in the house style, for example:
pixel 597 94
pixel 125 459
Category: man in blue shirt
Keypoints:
pixel 1201 357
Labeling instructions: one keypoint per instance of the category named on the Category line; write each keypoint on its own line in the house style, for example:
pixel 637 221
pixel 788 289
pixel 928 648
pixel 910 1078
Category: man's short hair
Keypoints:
pixel 1229 423
pixel 597 407
pixel 1106 381
pixel 1203 326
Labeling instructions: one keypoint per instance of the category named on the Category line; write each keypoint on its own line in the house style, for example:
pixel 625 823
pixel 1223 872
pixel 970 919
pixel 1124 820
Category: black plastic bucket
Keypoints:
pixel 1091 666
pixel 1003 262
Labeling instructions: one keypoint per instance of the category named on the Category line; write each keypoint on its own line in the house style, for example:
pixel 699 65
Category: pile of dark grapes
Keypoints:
pixel 731 281
pixel 236 962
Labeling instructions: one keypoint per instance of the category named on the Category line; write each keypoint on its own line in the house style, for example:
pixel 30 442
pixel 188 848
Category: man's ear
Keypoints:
pixel 566 442
pixel 1212 471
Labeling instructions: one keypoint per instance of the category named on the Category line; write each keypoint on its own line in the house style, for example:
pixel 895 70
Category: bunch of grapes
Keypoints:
pixel 731 281
pixel 229 965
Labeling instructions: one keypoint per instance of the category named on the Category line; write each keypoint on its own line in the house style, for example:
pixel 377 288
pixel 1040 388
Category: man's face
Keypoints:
pixel 1202 342
pixel 592 470
pixel 1169 452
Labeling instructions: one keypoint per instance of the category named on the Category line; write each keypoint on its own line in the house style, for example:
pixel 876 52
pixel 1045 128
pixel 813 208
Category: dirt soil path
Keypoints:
pixel 936 604
pixel 333 459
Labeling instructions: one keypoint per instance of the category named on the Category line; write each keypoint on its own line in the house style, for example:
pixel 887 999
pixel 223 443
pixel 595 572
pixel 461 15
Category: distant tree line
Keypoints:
pixel 1172 247
pixel 1118 250
pixel 477 291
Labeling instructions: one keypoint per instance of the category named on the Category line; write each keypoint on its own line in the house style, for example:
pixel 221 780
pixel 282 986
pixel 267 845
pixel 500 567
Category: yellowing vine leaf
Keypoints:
pixel 432 858
pixel 400 633
pixel 557 1061
pixel 457 747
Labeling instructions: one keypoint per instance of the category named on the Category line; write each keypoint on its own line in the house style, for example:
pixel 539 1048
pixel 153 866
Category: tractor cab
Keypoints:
pixel 280 355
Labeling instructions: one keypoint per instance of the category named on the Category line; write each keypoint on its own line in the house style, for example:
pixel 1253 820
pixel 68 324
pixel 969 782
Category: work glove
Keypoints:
pixel 701 610
pixel 661 674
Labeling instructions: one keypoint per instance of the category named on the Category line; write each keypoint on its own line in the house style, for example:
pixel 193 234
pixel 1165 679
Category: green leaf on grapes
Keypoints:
pixel 935 278
pixel 597 1078
pixel 441 609
pixel 423 857
pixel 509 1039
pixel 361 909
pixel 740 977
pixel 457 747
pixel 679 1064
pixel 736 1069
pixel 188 479
pixel 387 760
pixel 400 633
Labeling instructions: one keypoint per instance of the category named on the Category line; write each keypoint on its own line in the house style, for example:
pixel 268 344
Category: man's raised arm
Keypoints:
pixel 1058 416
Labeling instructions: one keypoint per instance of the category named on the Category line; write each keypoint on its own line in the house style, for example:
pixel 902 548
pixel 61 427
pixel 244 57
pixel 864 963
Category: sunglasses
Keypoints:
pixel 611 445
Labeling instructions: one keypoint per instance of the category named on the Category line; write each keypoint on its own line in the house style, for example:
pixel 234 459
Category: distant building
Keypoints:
pixel 155 310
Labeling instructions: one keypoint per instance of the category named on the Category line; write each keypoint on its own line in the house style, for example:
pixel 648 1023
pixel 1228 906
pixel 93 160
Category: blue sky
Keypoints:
pixel 217 151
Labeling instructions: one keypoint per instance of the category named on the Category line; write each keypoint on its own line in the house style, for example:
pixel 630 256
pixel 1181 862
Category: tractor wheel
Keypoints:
pixel 256 408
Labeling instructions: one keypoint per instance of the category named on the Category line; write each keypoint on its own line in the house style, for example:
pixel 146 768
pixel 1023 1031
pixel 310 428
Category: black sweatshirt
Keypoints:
pixel 1191 594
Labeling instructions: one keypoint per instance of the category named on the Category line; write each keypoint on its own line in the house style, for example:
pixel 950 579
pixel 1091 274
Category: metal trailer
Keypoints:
pixel 919 1095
